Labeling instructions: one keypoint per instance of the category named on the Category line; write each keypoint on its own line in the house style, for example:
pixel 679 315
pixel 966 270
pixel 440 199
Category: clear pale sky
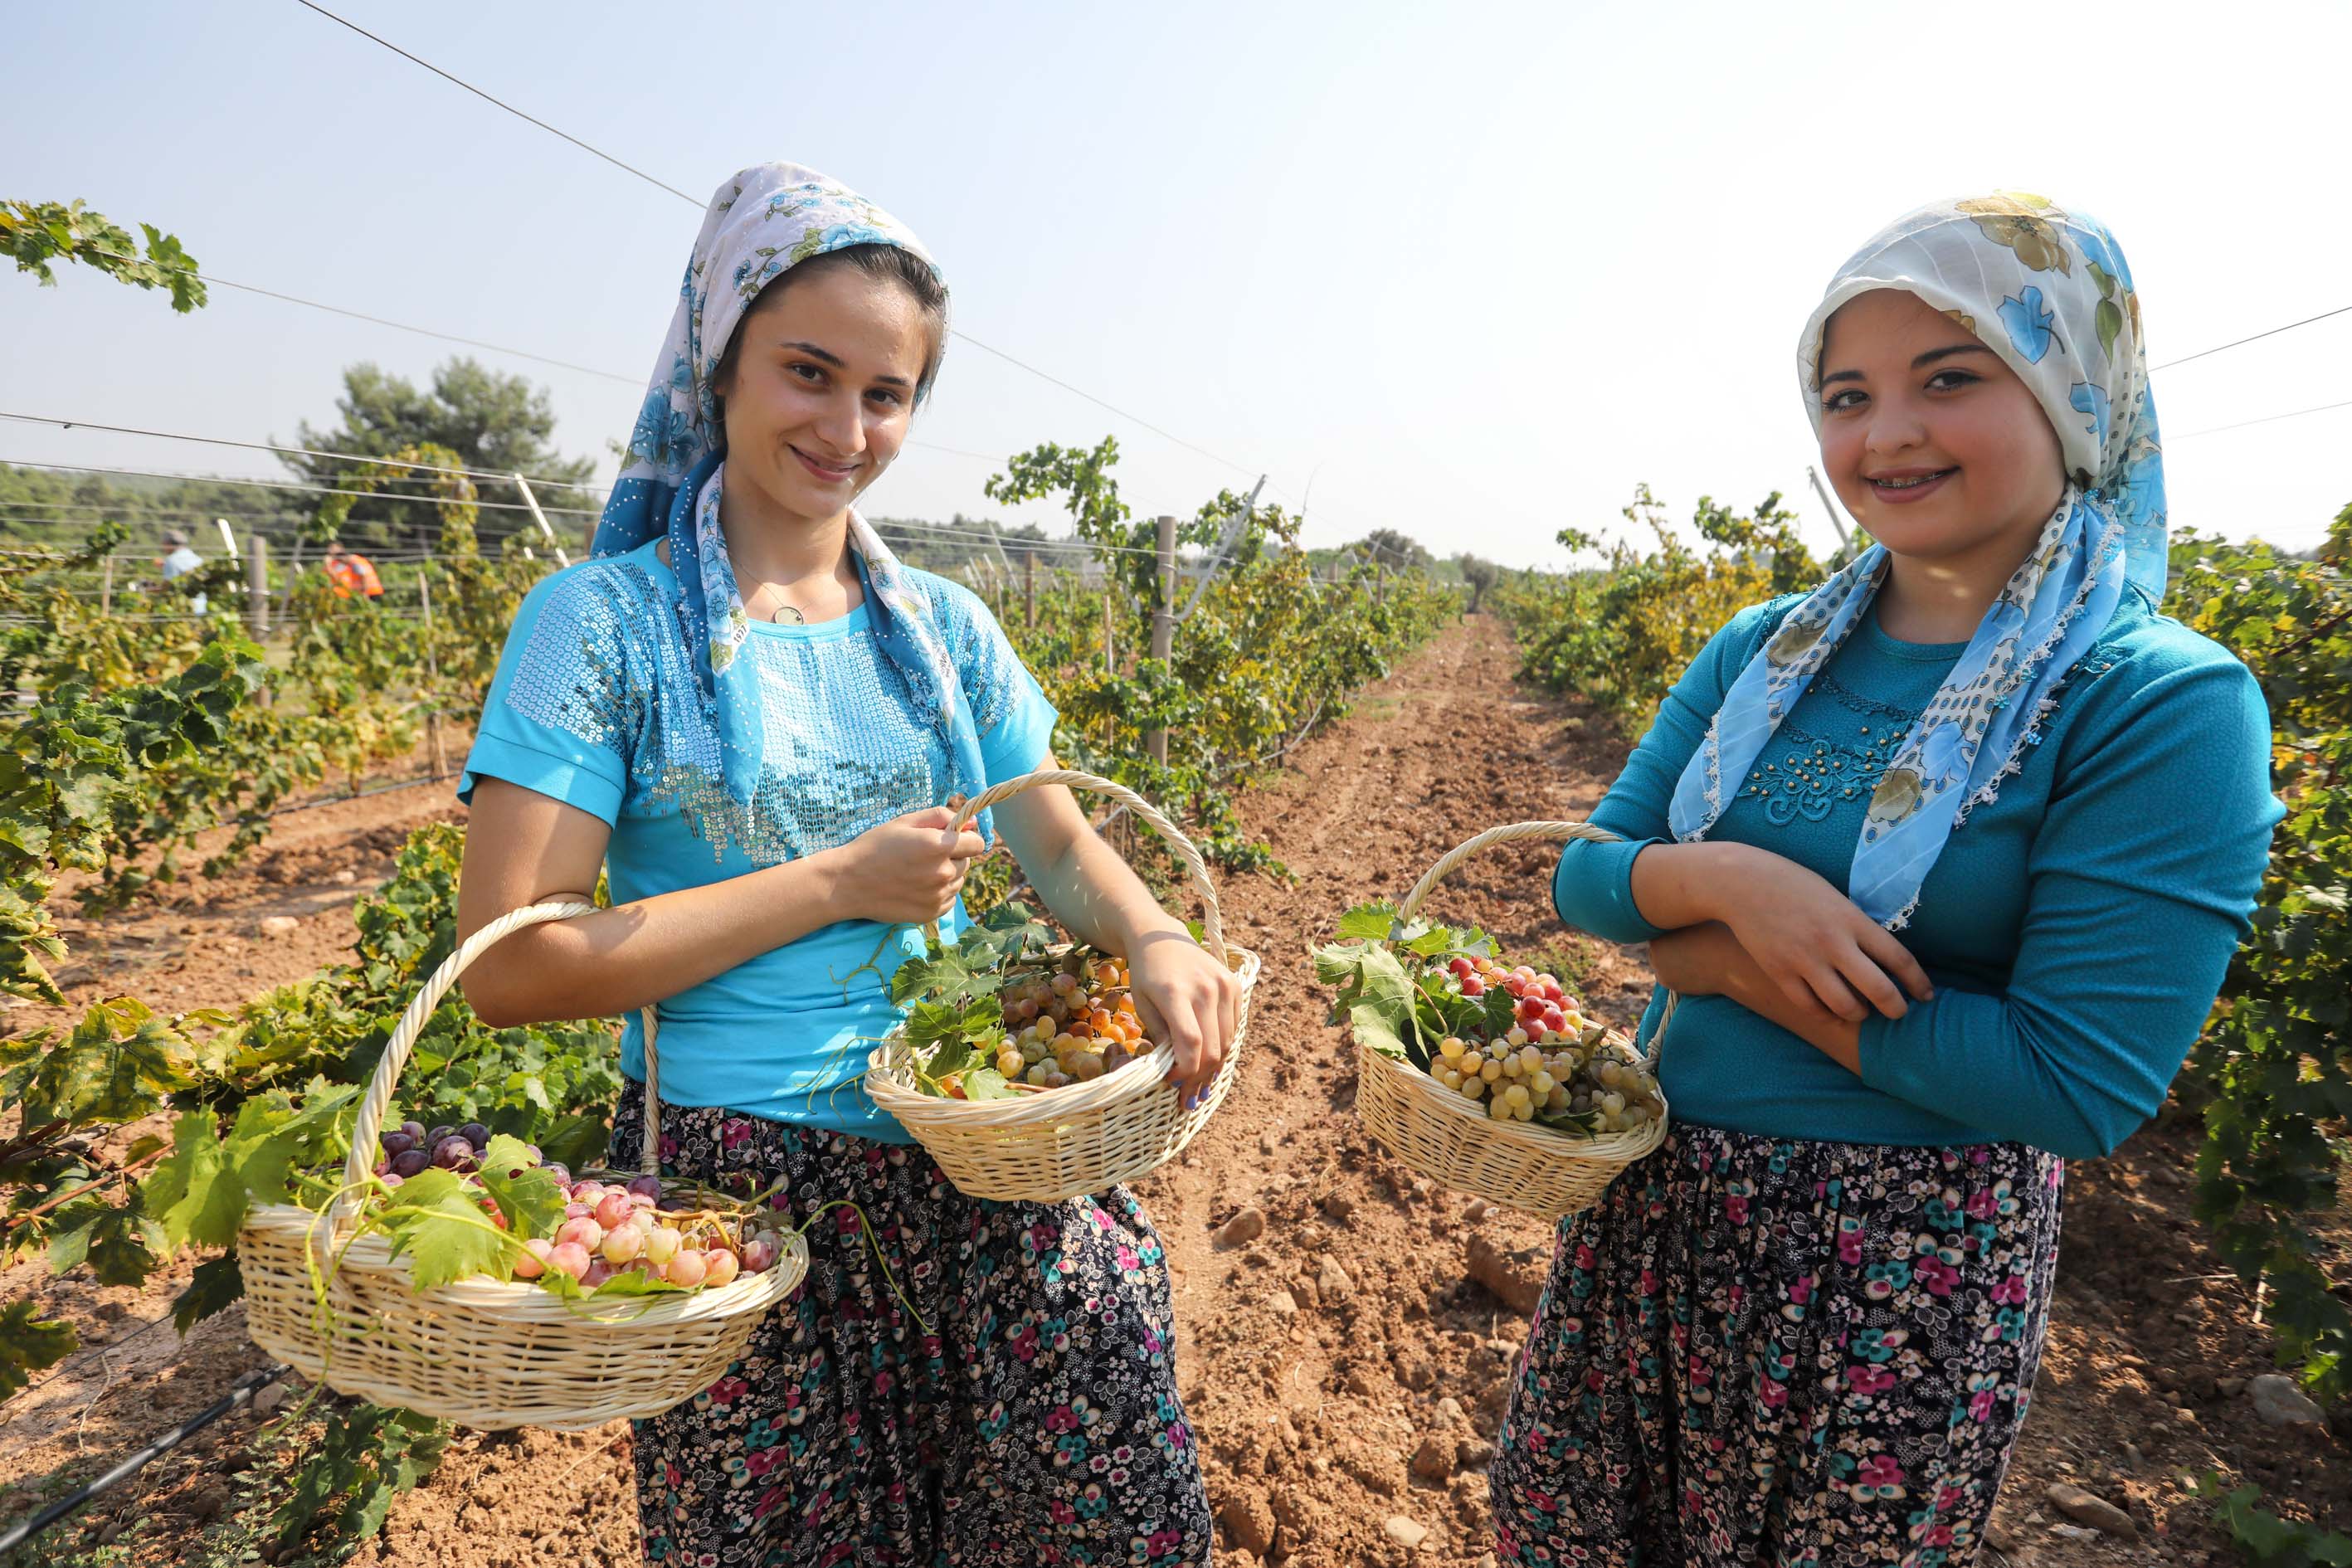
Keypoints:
pixel 1473 269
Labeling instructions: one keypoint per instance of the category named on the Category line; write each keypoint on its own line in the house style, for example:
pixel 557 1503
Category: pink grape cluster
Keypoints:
pixel 616 1229
pixel 608 1227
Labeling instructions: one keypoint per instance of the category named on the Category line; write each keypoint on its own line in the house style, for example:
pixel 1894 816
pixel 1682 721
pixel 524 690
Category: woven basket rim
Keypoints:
pixel 1442 1101
pixel 890 1084
pixel 520 1301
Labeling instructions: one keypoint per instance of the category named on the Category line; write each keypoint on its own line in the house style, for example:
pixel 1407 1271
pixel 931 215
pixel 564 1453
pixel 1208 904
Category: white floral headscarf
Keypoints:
pixel 2049 290
pixel 761 223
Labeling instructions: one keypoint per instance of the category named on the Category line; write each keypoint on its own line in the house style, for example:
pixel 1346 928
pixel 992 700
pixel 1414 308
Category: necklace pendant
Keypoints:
pixel 787 614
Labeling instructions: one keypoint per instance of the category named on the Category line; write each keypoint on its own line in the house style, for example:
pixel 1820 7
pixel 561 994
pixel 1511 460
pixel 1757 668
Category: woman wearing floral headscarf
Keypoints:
pixel 752 716
pixel 1805 1331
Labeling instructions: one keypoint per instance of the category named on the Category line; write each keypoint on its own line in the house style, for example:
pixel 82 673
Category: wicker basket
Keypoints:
pixel 484 1352
pixel 1452 1139
pixel 1044 1148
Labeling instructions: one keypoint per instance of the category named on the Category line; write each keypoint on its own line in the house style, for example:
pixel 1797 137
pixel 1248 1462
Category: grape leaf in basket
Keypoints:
pixel 1375 995
pixel 442 1230
pixel 1375 922
pixel 947 974
pixel 1007 933
pixel 937 1022
pixel 987 1083
pixel 526 1193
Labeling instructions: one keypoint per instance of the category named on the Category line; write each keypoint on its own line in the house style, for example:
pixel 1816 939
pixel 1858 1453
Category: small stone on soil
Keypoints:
pixel 1284 1304
pixel 1433 1460
pixel 2091 1510
pixel 1478 1210
pixel 279 925
pixel 1405 1532
pixel 1331 1282
pixel 1239 1231
pixel 2281 1403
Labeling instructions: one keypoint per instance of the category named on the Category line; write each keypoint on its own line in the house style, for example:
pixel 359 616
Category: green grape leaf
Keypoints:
pixel 1375 995
pixel 531 1199
pixel 987 1083
pixel 932 1023
pixel 436 1223
pixel 948 974
pixel 217 1283
pixel 29 1344
pixel 1374 921
pixel 195 1195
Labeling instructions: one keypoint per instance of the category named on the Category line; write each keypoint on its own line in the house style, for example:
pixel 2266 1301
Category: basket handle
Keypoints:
pixel 370 1126
pixel 1512 833
pixel 1213 927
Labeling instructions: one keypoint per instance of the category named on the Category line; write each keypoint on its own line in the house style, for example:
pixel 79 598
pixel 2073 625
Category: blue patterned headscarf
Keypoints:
pixel 2049 290
pixel 762 222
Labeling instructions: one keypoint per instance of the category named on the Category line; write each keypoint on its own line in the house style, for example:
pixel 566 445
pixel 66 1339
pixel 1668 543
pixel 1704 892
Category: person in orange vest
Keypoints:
pixel 352 572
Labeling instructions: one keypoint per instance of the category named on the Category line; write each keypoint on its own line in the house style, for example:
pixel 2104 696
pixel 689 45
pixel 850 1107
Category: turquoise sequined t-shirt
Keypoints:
pixel 595 704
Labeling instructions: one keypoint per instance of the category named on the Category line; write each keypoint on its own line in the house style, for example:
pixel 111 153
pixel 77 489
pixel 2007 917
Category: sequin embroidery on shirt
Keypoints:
pixel 1808 774
pixel 608 662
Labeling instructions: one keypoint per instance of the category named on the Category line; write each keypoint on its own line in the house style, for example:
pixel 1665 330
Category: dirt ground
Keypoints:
pixel 1317 1359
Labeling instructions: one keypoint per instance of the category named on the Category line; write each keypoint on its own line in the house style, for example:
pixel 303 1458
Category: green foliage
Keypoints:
pixel 1622 633
pixel 369 1456
pixel 1267 655
pixel 2272 1066
pixel 471 416
pixel 30 1344
pixel 34 234
pixel 2266 1541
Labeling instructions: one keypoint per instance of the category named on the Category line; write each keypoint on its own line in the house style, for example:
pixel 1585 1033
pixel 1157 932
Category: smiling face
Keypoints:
pixel 1931 440
pixel 819 387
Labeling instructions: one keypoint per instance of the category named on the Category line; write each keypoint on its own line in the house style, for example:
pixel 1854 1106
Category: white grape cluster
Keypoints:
pixel 1552 1062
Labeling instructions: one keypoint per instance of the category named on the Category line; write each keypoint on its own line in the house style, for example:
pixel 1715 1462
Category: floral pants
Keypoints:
pixel 1781 1354
pixel 1031 1419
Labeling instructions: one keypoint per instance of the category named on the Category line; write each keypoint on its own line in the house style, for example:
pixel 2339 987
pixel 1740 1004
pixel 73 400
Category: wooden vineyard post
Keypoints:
pixel 432 670
pixel 1029 590
pixel 256 583
pixel 106 586
pixel 1163 614
pixel 1110 654
pixel 539 517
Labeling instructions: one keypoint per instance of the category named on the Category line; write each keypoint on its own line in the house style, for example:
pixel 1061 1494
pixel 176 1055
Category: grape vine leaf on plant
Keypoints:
pixel 217 1282
pixel 29 1344
pixel 116 1065
pixel 121 1244
pixel 371 1455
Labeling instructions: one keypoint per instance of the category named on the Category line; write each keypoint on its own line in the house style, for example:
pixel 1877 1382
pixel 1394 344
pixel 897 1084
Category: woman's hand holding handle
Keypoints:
pixel 909 869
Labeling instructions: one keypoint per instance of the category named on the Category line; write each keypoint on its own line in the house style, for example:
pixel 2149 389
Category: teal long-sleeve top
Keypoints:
pixel 2077 928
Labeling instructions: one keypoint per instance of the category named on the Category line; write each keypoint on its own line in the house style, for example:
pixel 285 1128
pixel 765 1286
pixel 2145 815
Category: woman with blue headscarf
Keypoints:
pixel 1946 858
pixel 753 718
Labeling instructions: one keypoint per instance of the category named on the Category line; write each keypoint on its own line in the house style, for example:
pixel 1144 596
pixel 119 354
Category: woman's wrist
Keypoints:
pixel 1676 885
pixel 825 881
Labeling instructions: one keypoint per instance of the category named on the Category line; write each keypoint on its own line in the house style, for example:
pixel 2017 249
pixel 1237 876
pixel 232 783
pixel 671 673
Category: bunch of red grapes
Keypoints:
pixel 621 1225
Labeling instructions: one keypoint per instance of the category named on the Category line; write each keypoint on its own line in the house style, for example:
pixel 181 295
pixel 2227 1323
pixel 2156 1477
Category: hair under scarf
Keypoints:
pixel 2048 289
pixel 761 222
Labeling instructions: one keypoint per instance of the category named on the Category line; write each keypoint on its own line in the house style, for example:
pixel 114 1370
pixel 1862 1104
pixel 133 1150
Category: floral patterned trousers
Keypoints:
pixel 1781 1354
pixel 1031 1419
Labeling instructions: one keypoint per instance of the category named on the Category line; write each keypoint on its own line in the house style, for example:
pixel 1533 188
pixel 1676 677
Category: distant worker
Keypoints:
pixel 180 563
pixel 352 572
